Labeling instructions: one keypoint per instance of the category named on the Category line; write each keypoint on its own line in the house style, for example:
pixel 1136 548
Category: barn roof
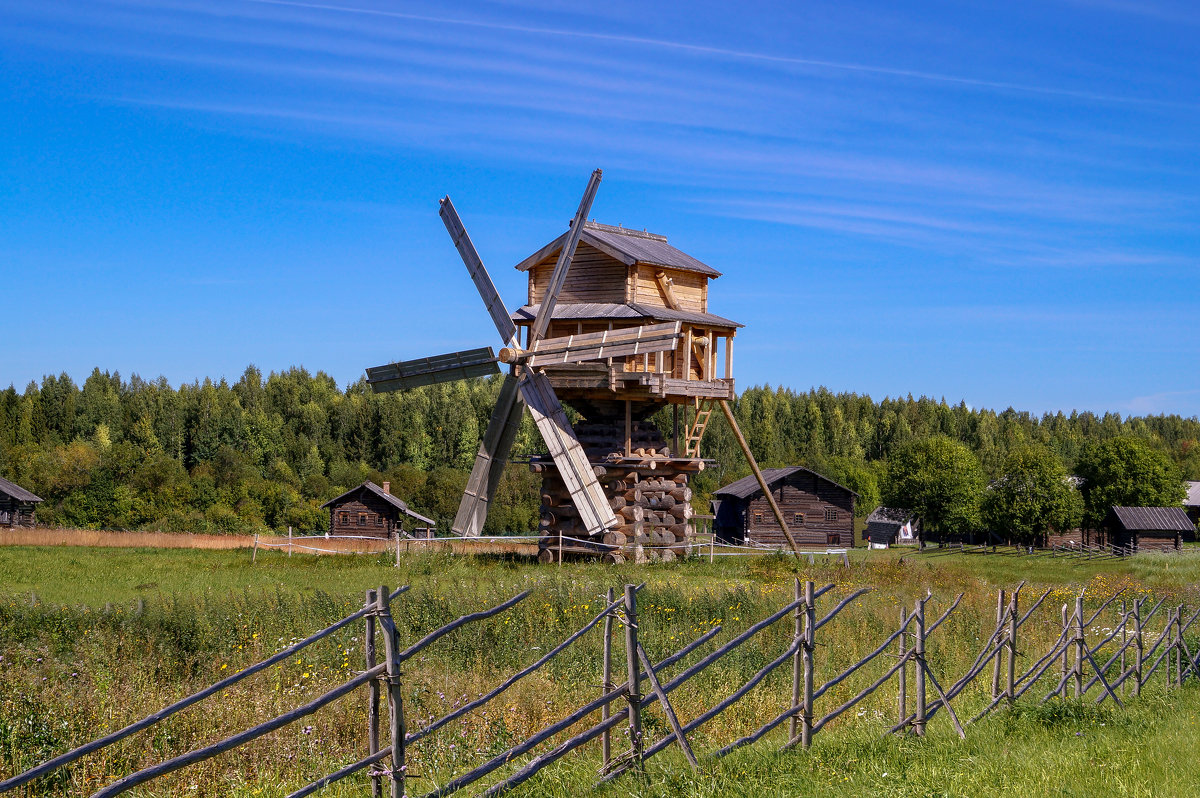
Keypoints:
pixel 1153 519
pixel 748 486
pixel 620 310
pixel 17 492
pixel 371 487
pixel 627 246
pixel 893 515
pixel 1193 495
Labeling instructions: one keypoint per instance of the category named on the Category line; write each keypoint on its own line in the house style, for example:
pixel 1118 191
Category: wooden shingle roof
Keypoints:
pixel 627 246
pixel 17 492
pixel 1153 519
pixel 748 486
pixel 622 310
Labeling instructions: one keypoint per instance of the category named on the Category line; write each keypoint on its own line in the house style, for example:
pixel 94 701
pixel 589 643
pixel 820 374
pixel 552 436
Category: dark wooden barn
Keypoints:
pixel 1147 528
pixel 17 505
pixel 818 511
pixel 892 526
pixel 1191 504
pixel 372 511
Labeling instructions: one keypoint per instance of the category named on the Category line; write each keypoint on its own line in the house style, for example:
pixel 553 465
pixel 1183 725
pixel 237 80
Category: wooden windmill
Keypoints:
pixel 616 323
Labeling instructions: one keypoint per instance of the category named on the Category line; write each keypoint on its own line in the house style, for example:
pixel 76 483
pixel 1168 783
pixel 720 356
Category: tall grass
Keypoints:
pixel 74 667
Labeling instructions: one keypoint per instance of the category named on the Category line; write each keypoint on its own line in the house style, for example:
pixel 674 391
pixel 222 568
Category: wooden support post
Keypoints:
pixel 675 430
pixel 289 541
pixel 633 696
pixel 1138 647
pixel 606 739
pixel 687 356
pixel 372 694
pixel 810 631
pixel 397 726
pixel 1079 646
pixel 628 428
pixel 1000 650
pixel 798 658
pixel 902 689
pixel 710 357
pixel 919 653
pixel 762 482
pixel 729 358
pixel 1014 616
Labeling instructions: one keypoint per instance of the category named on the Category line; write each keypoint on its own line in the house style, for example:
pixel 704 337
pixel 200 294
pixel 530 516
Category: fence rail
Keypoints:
pixel 1132 652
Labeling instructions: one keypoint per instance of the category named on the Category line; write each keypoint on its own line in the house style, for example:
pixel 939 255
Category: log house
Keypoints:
pixel 17 505
pixel 370 511
pixel 819 511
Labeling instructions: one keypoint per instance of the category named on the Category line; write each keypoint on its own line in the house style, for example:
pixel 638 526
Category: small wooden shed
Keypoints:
pixel 17 505
pixel 818 511
pixel 892 526
pixel 1147 528
pixel 372 511
pixel 1191 504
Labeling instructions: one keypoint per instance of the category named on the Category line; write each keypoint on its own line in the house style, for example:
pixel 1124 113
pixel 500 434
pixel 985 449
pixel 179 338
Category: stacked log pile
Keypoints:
pixel 647 490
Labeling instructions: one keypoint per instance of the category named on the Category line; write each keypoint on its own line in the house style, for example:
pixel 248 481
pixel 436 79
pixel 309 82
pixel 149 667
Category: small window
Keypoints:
pixel 362 519
pixel 343 517
pixel 833 539
pixel 831 514
pixel 798 519
pixel 758 516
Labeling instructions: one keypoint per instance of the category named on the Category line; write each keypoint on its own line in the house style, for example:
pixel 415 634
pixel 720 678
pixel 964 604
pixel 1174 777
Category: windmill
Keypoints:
pixel 525 385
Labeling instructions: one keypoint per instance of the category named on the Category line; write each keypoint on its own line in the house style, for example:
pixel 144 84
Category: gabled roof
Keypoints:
pixel 893 515
pixel 1153 519
pixel 17 492
pixel 1193 495
pixel 371 487
pixel 627 246
pixel 604 311
pixel 748 486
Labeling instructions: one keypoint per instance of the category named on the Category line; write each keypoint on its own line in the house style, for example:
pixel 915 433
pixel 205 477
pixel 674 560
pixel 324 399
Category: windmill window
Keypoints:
pixel 831 514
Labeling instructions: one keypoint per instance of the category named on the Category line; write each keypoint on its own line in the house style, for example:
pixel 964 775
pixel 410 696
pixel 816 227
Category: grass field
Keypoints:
pixel 73 667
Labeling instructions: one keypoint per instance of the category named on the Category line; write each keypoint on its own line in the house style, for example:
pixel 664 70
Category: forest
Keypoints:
pixel 263 454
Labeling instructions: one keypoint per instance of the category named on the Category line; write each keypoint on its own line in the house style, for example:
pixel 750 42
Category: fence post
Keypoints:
pixel 797 658
pixel 633 673
pixel 289 541
pixel 1138 647
pixel 902 690
pixel 254 553
pixel 1014 618
pixel 1124 640
pixel 1079 646
pixel 395 692
pixel 1066 657
pixel 1000 649
pixel 1179 646
pixel 606 739
pixel 372 695
pixel 919 654
pixel 397 547
pixel 810 632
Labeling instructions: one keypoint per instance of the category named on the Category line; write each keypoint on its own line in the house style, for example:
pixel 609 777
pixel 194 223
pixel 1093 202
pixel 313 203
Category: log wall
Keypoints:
pixel 818 513
pixel 593 277
pixel 367 515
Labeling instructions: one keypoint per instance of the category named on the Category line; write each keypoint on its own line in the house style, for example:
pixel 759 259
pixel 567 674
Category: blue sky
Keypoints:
pixel 994 202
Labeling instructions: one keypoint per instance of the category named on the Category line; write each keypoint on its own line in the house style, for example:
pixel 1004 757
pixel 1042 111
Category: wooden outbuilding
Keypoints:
pixel 1191 504
pixel 892 526
pixel 1147 528
pixel 818 511
pixel 17 505
pixel 372 511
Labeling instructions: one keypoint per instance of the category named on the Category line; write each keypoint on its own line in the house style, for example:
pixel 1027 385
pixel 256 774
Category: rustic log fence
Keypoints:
pixel 1128 646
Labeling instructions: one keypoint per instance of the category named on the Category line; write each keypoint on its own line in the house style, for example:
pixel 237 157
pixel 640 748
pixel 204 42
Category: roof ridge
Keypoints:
pixel 624 231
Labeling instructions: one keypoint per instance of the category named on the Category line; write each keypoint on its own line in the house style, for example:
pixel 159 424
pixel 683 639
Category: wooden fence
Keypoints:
pixel 1070 665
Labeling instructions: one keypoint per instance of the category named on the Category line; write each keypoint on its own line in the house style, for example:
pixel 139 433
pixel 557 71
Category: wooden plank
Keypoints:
pixel 546 310
pixel 490 460
pixel 408 374
pixel 573 466
pixel 479 275
pixel 762 483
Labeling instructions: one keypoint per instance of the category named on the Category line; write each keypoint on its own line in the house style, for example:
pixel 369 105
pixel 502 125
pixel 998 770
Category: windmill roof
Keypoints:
pixel 621 310
pixel 371 487
pixel 748 486
pixel 629 246
pixel 17 492
pixel 1153 519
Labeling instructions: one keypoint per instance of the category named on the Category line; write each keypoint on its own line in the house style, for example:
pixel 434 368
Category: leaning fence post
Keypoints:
pixel 395 691
pixel 810 631
pixel 372 695
pixel 797 658
pixel 1179 646
pixel 1068 634
pixel 1014 620
pixel 1138 647
pixel 606 739
pixel 902 689
pixel 1124 640
pixel 633 674
pixel 1079 646
pixel 919 654
pixel 1000 648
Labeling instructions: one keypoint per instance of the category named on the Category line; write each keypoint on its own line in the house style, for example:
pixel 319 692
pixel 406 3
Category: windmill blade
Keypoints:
pixel 573 466
pixel 483 281
pixel 605 344
pixel 489 461
pixel 563 265
pixel 409 374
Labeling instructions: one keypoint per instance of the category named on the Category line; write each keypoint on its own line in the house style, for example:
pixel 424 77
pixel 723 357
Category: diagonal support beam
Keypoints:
pixel 762 483
pixel 667 708
pixel 559 276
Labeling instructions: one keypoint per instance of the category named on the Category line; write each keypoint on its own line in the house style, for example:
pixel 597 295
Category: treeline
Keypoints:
pixel 265 453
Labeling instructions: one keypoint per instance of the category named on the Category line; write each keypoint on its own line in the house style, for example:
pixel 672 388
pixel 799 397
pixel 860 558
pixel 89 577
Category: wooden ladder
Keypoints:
pixel 691 446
